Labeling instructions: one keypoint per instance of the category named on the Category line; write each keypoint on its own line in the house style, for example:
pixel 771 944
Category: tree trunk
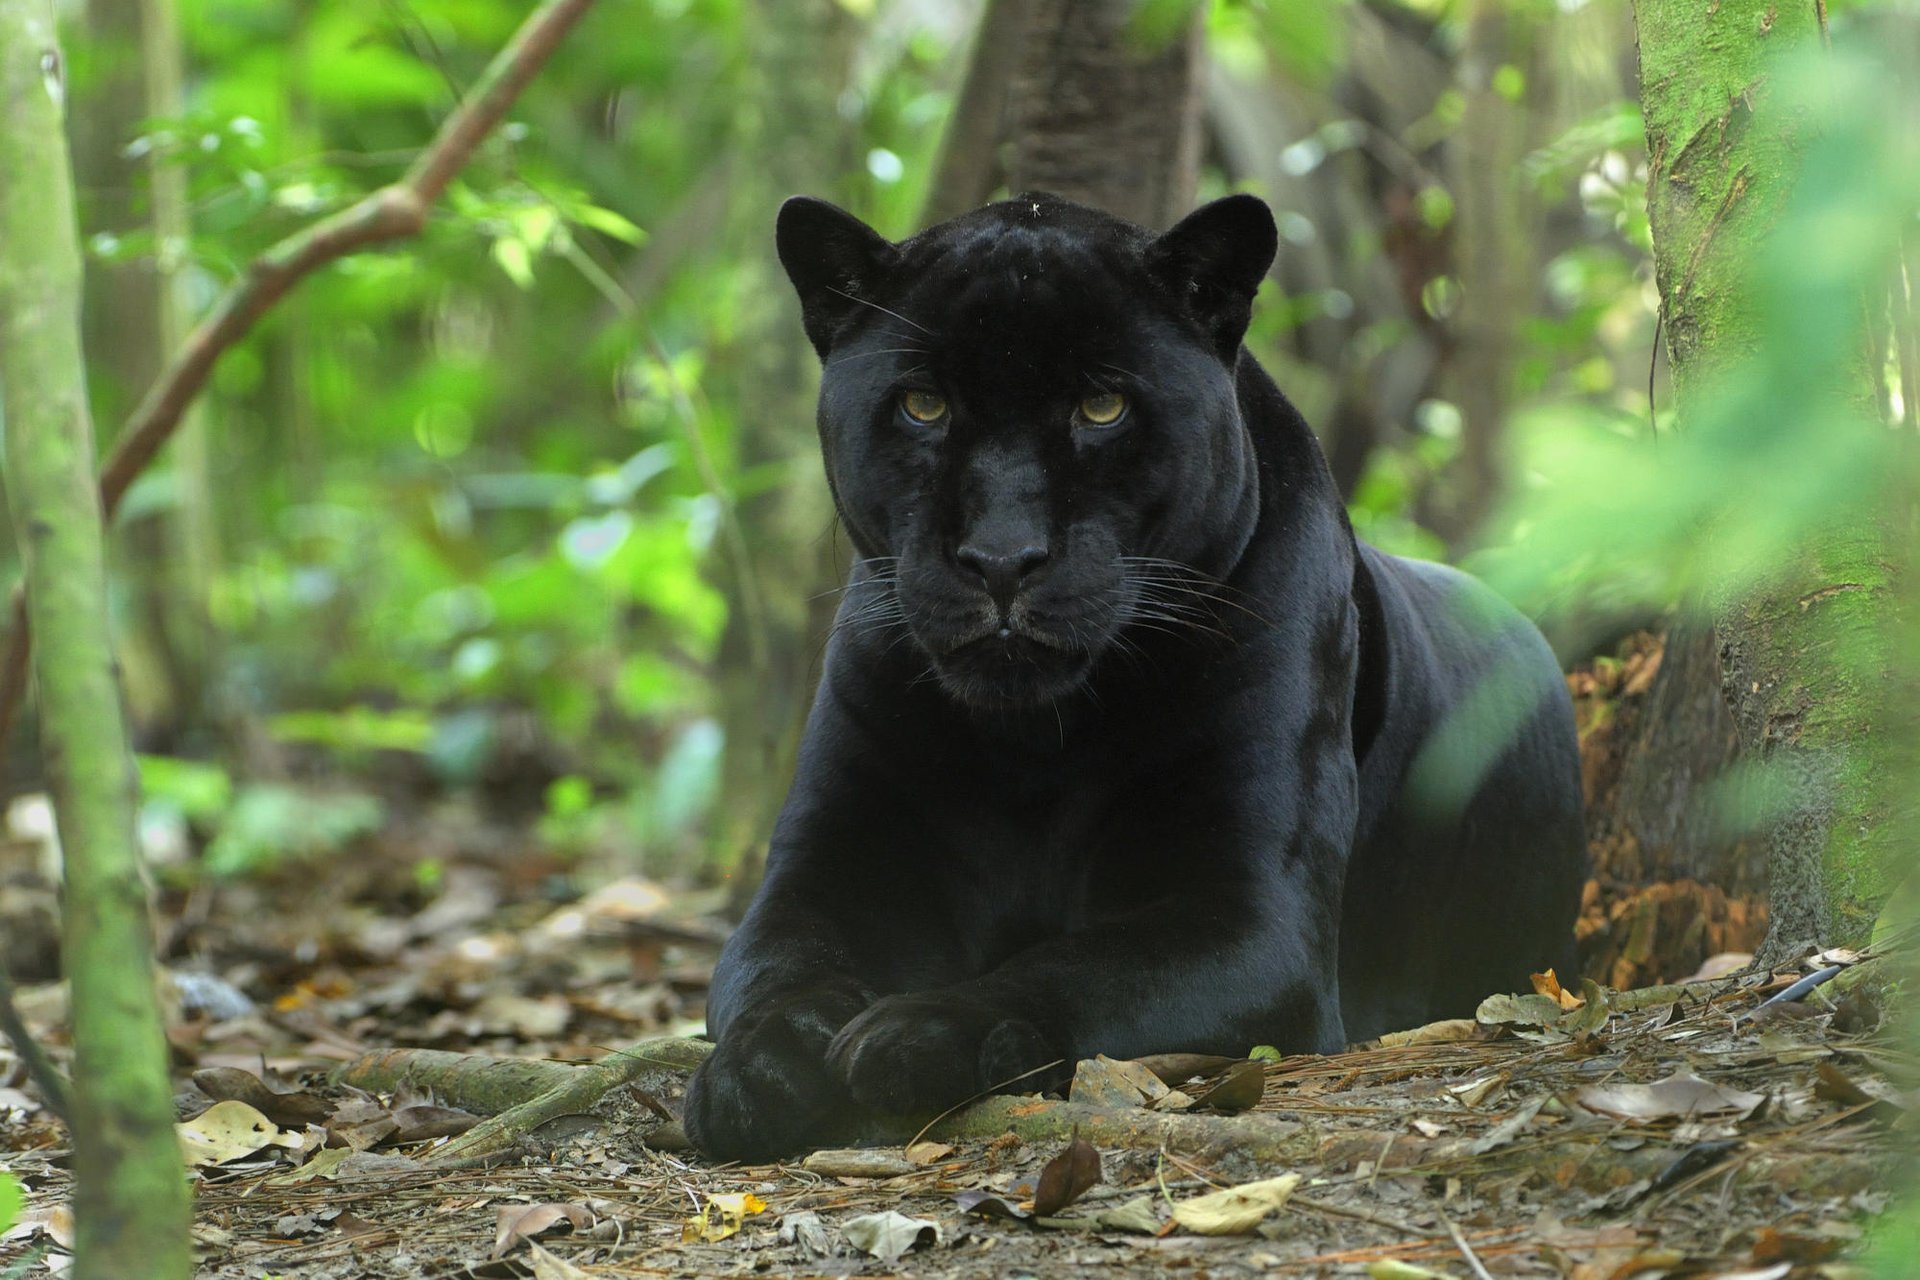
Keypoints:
pixel 1102 118
pixel 1722 157
pixel 131 1203
pixel 778 580
pixel 971 166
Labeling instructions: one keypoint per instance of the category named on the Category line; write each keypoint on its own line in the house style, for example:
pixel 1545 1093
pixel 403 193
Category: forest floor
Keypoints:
pixel 1670 1131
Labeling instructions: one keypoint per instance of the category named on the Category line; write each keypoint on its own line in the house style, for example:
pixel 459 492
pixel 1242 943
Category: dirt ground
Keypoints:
pixel 1586 1133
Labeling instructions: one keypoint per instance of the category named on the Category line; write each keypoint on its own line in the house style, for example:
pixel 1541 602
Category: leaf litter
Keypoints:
pixel 1568 1130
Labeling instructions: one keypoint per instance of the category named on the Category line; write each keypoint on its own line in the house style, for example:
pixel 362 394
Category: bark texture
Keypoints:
pixel 1101 117
pixel 1804 656
pixel 131 1201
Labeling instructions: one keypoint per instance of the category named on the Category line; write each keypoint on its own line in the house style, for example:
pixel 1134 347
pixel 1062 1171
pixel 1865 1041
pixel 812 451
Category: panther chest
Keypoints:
pixel 1004 877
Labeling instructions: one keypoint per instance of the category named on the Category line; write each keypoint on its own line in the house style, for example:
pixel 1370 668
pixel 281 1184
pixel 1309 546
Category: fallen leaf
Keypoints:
pixel 324 1163
pixel 1236 1209
pixel 514 1223
pixel 546 1266
pixel 1507 1130
pixel 1238 1090
pixel 293 1109
pixel 417 1124
pixel 888 1235
pixel 1680 1094
pixel 1518 1011
pixel 1107 1082
pixel 228 1130
pixel 1135 1215
pixel 925 1153
pixel 1448 1031
pixel 857 1162
pixel 1548 984
pixel 1590 1014
pixel 1066 1177
pixel 806 1230
pixel 1394 1269
pixel 1178 1068
pixel 1785 1246
pixel 988 1204
pixel 54 1222
pixel 1264 1053
pixel 721 1216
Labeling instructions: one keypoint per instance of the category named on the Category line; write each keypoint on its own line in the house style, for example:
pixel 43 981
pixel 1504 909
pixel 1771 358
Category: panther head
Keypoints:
pixel 1030 427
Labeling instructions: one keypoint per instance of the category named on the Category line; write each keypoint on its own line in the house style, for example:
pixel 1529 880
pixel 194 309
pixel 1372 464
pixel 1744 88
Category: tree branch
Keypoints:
pixel 394 212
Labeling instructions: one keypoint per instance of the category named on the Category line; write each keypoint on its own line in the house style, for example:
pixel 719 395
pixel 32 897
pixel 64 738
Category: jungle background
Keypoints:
pixel 488 578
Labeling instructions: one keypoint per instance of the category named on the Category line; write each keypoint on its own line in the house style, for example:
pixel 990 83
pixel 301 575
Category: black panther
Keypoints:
pixel 1123 743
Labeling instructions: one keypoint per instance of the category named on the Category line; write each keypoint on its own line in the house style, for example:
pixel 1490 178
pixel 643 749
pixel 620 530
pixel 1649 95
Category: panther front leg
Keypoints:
pixel 1216 968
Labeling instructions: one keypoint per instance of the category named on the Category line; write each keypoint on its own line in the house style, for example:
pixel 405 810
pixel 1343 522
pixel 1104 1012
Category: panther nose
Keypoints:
pixel 1003 572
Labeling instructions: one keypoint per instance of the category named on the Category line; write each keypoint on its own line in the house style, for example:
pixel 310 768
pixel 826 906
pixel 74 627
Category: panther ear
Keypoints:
pixel 1213 260
pixel 834 260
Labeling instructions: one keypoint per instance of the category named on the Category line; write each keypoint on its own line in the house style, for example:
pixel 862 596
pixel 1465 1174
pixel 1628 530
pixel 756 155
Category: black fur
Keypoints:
pixel 1124 744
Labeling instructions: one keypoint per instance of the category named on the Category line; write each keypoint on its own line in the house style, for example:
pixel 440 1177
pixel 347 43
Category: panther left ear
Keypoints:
pixel 1213 260
pixel 834 260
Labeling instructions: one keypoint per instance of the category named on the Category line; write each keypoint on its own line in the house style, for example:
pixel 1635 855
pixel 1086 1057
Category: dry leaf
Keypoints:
pixel 925 1153
pixel 1066 1177
pixel 228 1130
pixel 1106 1082
pixel 514 1223
pixel 1518 1011
pixel 1236 1209
pixel 988 1204
pixel 294 1110
pixel 546 1266
pixel 417 1124
pixel 1394 1269
pixel 1679 1095
pixel 1548 984
pixel 721 1216
pixel 888 1235
pixel 324 1163
pixel 1178 1068
pixel 1238 1090
pixel 1447 1031
pixel 1135 1215
pixel 857 1162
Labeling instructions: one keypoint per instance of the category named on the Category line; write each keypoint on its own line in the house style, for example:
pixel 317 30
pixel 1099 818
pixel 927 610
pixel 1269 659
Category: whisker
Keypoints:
pixel 877 307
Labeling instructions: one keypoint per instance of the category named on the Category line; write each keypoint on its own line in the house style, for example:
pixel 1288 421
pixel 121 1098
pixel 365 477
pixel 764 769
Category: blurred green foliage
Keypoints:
pixel 476 491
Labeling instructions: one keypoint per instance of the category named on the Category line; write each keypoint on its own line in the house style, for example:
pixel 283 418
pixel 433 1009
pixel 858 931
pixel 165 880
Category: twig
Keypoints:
pixel 1466 1250
pixel 394 212
pixel 40 1069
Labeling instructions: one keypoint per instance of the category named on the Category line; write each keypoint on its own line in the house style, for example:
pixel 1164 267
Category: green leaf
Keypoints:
pixel 515 260
pixel 607 222
pixel 13 1199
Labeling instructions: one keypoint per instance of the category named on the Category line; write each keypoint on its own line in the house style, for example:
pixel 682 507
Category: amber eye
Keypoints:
pixel 923 407
pixel 1103 409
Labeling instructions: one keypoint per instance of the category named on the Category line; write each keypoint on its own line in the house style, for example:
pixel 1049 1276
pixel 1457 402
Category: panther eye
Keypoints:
pixel 1103 409
pixel 923 407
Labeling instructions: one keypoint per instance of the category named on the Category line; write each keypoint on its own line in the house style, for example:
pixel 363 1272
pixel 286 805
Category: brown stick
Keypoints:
pixel 394 212
pixel 520 1094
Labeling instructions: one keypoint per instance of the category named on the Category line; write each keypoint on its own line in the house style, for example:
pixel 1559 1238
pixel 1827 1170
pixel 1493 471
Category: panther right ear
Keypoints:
pixel 1213 261
pixel 835 262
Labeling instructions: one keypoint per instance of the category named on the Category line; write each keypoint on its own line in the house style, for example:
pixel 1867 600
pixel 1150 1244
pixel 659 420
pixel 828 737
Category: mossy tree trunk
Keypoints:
pixel 1805 655
pixel 131 1203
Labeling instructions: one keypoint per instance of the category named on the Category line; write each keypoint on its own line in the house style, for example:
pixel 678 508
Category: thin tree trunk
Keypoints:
pixel 1102 118
pixel 1495 243
pixel 192 539
pixel 132 1208
pixel 971 166
pixel 778 601
pixel 1722 157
